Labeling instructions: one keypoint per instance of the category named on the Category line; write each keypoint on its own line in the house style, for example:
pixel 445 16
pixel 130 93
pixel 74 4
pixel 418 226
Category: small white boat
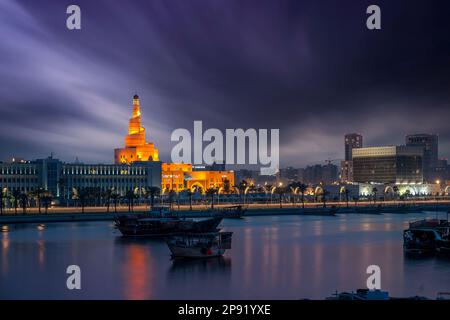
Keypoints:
pixel 199 245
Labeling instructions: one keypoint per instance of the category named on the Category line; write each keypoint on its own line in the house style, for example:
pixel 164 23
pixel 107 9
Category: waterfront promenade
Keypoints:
pixel 70 214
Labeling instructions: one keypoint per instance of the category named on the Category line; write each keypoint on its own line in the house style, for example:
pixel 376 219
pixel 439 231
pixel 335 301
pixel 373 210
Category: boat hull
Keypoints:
pixel 167 227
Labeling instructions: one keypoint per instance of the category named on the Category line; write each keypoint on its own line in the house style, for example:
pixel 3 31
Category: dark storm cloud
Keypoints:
pixel 310 68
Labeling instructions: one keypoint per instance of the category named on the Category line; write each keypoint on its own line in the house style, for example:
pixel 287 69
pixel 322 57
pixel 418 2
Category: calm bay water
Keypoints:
pixel 275 257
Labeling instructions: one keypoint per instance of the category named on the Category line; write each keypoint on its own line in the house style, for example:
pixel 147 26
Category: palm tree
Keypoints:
pixel 16 196
pixel 316 195
pixel 407 194
pixel 347 195
pixel 395 188
pixel 356 199
pixel 171 198
pixel 292 187
pixel 24 202
pixel 115 196
pixel 211 192
pixel 325 194
pixel 226 186
pixel 37 194
pixel 252 189
pixel 145 195
pixel 83 196
pixel 241 187
pixel 130 197
pixel 46 200
pixel 374 192
pixel 107 195
pixel 268 188
pixel 153 192
pixel 302 189
pixel 281 192
pixel 189 193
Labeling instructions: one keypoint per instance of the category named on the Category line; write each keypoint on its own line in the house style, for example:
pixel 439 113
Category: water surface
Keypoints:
pixel 275 257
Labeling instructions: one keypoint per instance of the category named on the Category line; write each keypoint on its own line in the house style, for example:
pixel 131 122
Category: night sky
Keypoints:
pixel 310 68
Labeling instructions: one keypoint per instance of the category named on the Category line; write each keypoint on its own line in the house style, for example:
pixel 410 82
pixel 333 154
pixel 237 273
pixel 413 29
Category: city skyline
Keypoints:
pixel 67 92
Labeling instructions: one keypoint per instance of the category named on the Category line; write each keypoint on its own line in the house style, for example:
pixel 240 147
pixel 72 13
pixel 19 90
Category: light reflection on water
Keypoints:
pixel 285 257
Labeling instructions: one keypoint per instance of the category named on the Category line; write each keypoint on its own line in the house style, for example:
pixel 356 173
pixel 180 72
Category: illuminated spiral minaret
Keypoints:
pixel 136 147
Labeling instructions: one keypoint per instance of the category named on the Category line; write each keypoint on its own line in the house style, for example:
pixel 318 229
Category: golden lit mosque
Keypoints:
pixel 175 176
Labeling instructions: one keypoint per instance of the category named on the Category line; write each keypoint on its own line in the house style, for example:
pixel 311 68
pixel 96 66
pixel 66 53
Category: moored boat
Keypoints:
pixel 157 227
pixel 199 245
pixel 233 212
pixel 427 236
pixel 420 241
pixel 443 245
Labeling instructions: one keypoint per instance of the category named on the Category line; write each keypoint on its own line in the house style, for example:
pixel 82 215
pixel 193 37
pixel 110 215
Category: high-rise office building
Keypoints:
pixel 352 141
pixel 391 164
pixel 429 143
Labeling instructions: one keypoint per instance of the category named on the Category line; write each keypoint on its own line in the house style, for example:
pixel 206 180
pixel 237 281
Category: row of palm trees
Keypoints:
pixel 23 199
pixel 95 196
pixel 294 190
pixel 84 196
pixel 243 188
